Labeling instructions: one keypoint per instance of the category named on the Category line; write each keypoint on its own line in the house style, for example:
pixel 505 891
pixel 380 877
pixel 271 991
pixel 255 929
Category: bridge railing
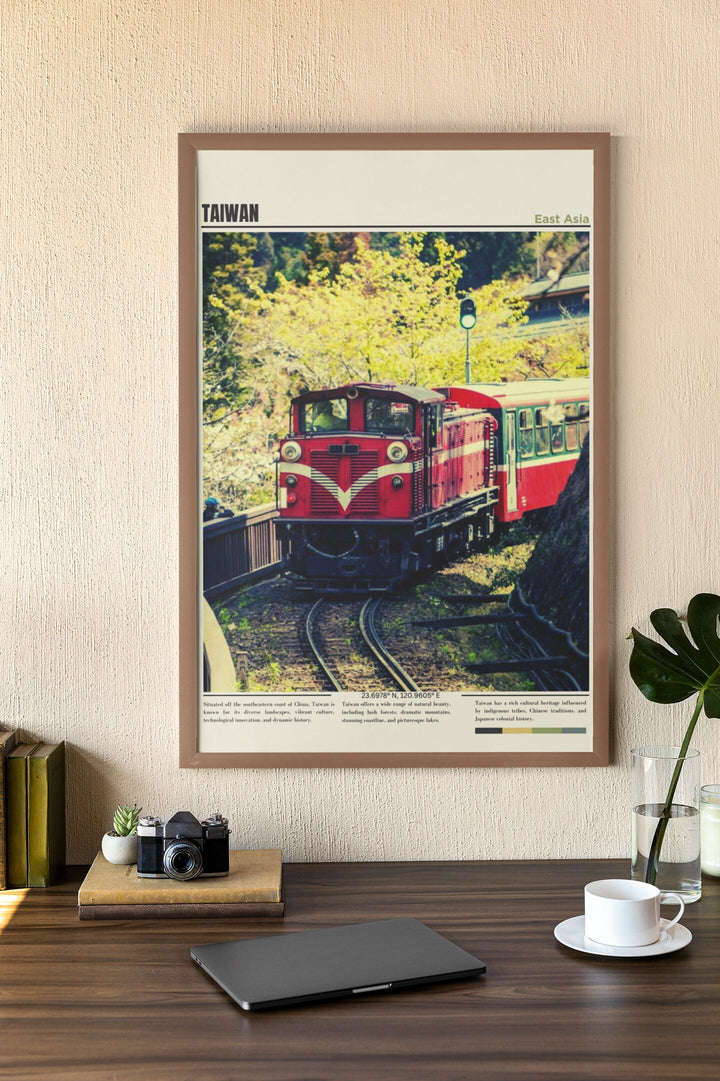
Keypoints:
pixel 240 549
pixel 218 665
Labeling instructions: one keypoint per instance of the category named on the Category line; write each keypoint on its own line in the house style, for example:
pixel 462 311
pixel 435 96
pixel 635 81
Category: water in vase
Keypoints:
pixel 679 870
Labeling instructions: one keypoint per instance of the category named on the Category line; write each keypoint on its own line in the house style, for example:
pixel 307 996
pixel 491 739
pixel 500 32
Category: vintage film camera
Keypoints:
pixel 183 848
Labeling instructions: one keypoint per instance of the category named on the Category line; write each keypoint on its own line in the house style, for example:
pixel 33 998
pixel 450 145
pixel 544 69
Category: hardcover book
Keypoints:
pixel 8 741
pixel 16 805
pixel 46 813
pixel 252 888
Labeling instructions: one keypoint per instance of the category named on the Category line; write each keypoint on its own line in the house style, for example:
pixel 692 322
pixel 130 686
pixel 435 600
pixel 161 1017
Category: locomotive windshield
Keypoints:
pixel 385 415
pixel 329 415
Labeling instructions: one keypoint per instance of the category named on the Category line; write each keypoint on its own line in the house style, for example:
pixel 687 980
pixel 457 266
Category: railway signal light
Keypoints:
pixel 468 319
pixel 468 314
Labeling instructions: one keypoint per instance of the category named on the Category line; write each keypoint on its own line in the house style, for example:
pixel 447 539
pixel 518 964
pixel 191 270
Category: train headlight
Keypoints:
pixel 291 480
pixel 397 482
pixel 397 452
pixel 291 451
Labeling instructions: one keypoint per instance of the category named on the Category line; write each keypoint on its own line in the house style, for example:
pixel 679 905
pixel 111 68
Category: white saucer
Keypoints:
pixel 572 933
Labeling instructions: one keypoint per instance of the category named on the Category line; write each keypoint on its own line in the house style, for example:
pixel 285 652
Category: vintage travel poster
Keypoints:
pixel 394 406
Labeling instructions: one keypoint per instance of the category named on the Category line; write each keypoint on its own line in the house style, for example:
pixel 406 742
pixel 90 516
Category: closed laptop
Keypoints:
pixel 352 960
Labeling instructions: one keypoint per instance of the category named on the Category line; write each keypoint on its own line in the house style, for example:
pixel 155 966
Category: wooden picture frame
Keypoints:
pixel 387 187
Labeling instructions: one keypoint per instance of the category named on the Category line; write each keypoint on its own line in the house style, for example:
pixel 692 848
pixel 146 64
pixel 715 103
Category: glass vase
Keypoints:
pixel 652 771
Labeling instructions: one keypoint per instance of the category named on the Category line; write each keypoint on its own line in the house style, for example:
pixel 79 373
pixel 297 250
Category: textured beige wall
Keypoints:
pixel 93 96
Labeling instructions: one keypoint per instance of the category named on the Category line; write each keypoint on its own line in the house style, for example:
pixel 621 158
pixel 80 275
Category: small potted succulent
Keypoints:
pixel 120 844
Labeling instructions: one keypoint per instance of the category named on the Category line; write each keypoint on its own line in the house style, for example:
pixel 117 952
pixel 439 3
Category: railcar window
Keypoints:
pixel 571 435
pixel 385 415
pixel 542 435
pixel 584 411
pixel 329 415
pixel 555 415
pixel 525 421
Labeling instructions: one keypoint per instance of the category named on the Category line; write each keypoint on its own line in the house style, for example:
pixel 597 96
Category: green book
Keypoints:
pixel 7 742
pixel 16 808
pixel 45 813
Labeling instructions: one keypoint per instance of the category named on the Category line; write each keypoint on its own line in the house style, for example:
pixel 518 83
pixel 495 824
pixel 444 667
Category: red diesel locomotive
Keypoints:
pixel 378 481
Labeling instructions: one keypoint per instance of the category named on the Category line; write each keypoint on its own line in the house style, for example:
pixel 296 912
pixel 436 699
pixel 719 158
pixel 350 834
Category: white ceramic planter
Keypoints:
pixel 120 850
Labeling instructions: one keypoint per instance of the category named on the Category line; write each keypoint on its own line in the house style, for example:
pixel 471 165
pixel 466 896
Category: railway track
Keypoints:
pixel 374 642
pixel 462 641
pixel 345 642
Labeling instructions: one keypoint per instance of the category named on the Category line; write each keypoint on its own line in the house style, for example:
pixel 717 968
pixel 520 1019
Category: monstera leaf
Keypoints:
pixel 689 666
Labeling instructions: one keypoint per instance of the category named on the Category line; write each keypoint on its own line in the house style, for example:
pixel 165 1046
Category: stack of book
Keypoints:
pixel 32 812
pixel 252 888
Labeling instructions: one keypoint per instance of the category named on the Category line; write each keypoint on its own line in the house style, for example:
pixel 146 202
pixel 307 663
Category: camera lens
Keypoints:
pixel 182 860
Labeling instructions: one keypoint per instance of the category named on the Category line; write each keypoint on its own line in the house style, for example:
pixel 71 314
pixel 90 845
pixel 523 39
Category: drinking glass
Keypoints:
pixel 679 866
pixel 710 829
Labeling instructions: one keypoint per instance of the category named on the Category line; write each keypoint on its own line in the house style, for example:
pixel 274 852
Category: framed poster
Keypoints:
pixel 394 446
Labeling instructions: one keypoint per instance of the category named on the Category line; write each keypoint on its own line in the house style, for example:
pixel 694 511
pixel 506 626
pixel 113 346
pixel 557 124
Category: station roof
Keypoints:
pixel 568 283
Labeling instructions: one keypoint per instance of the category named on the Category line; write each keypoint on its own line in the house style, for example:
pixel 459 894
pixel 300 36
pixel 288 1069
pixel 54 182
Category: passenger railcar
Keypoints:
pixel 541 425
pixel 376 482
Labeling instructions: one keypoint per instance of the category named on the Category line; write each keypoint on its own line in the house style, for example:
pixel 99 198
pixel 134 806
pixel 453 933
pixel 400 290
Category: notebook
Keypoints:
pixel 353 960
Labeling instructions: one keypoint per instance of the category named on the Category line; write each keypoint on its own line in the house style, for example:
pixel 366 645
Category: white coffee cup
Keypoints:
pixel 625 912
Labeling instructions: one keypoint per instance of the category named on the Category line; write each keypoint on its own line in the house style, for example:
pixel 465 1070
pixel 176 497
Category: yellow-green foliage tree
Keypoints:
pixel 232 289
pixel 388 317
pixel 562 355
pixel 234 404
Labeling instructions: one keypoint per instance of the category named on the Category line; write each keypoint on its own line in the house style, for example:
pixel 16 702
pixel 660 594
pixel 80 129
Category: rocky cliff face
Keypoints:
pixel 556 579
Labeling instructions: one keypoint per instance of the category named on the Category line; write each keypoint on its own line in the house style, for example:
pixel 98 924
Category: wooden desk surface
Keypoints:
pixel 111 1001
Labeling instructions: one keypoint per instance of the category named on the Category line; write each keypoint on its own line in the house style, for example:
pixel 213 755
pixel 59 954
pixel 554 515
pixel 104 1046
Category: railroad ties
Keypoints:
pixel 344 640
pixel 536 647
pixel 559 665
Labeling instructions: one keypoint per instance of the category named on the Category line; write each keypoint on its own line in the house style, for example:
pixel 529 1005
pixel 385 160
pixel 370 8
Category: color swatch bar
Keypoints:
pixel 530 731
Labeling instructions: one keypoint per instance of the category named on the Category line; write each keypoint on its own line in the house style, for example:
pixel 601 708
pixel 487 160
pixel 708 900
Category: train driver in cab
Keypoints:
pixel 327 416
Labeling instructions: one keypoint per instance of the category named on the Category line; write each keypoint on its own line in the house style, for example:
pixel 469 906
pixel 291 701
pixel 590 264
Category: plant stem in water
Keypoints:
pixel 654 854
